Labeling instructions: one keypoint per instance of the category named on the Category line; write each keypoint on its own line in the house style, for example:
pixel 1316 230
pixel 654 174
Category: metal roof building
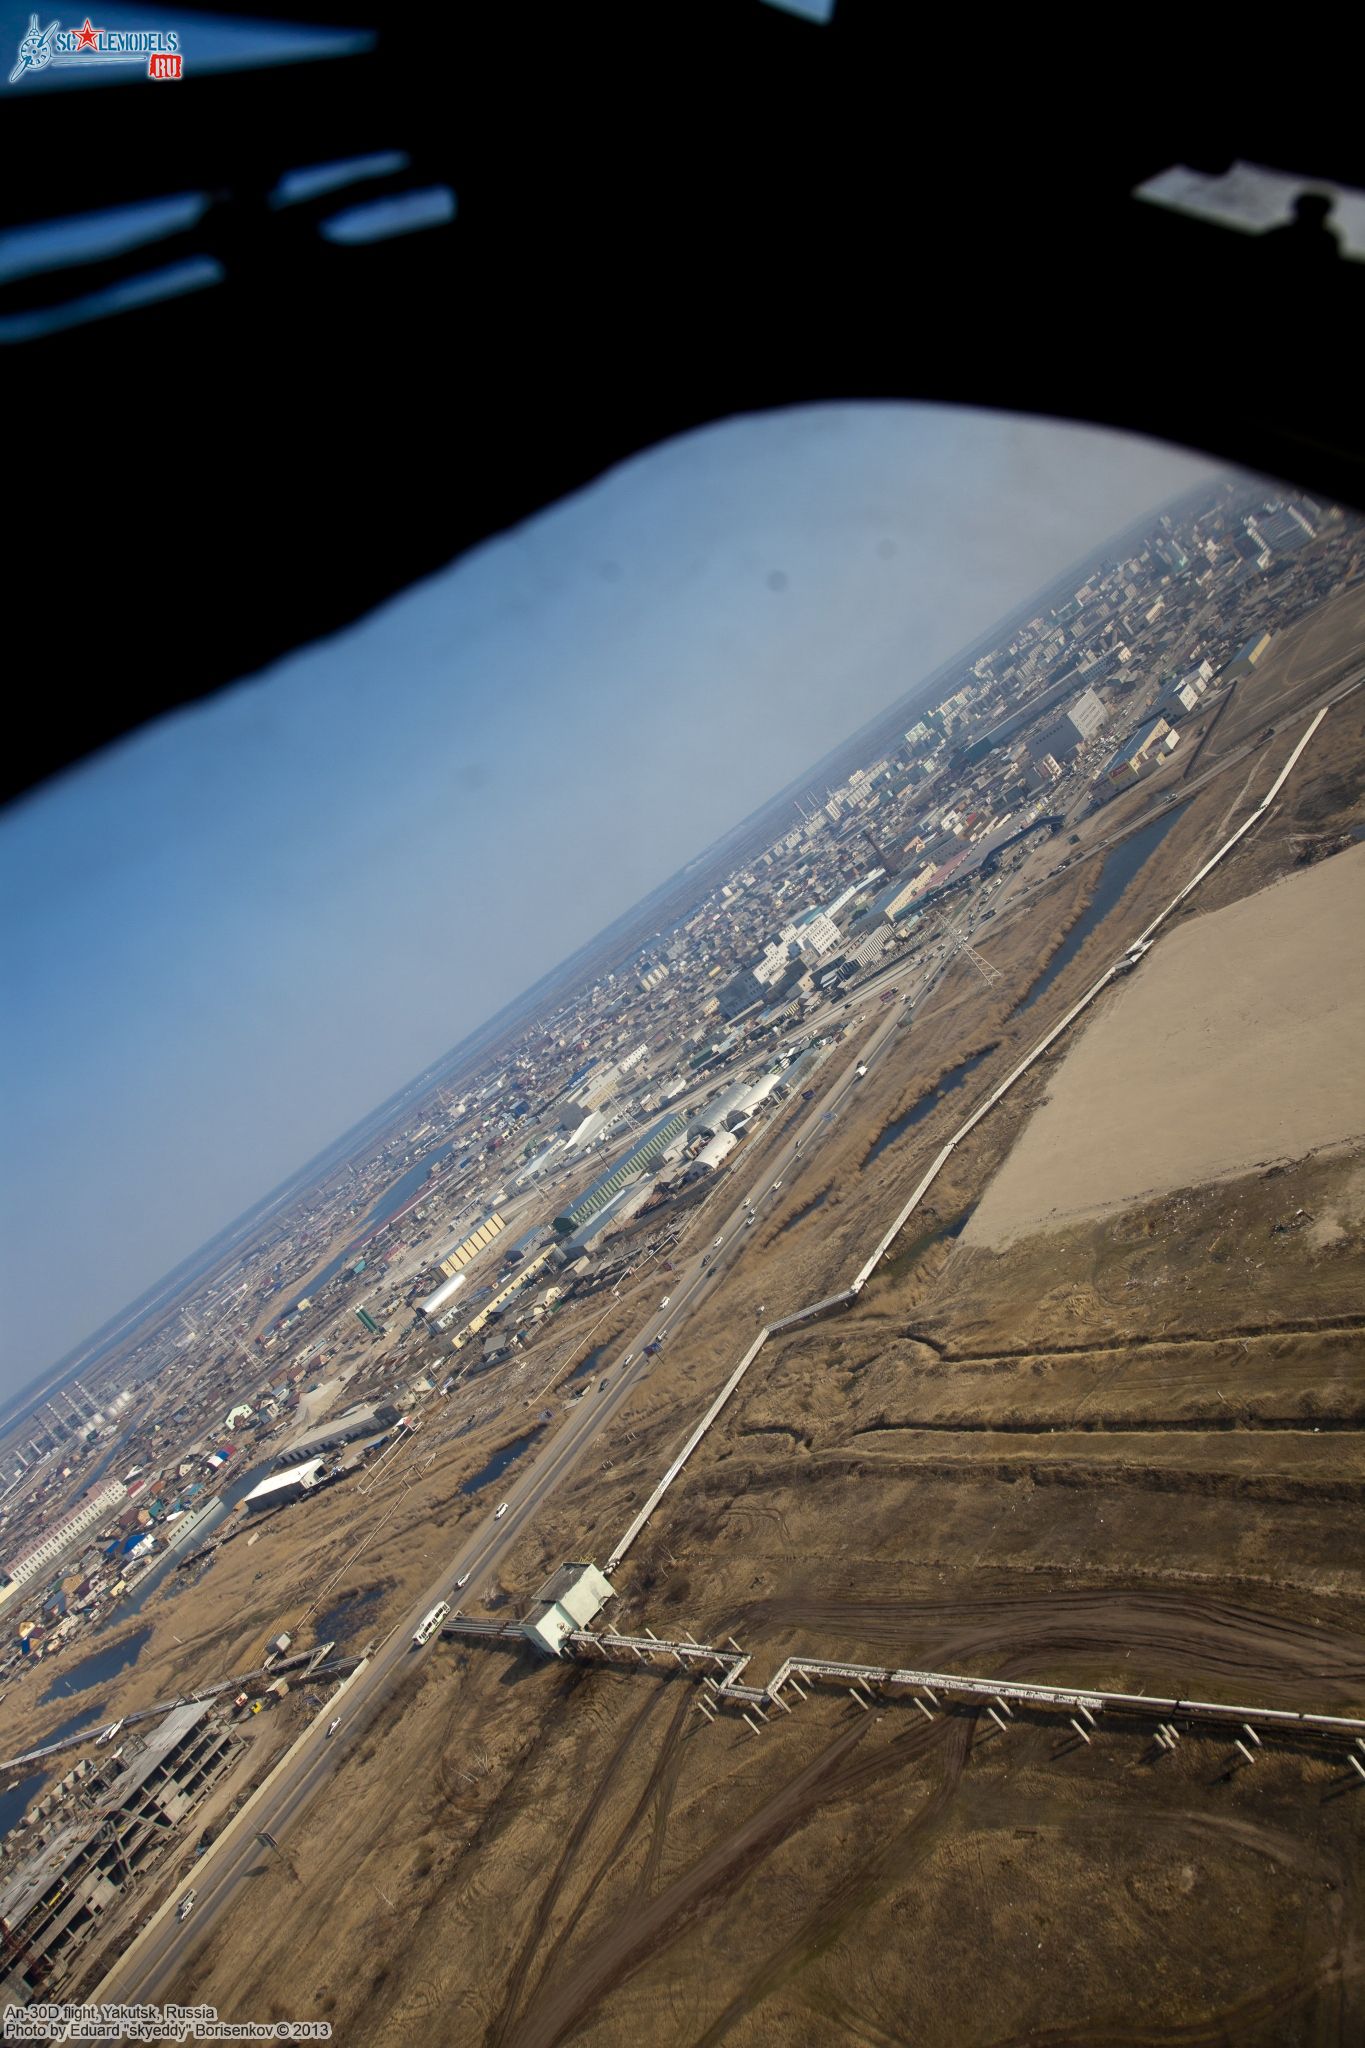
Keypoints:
pixel 720 1147
pixel 567 1601
pixel 469 1247
pixel 327 1436
pixel 619 1209
pixel 1245 660
pixel 643 1153
pixel 1124 763
pixel 278 1488
pixel 442 1297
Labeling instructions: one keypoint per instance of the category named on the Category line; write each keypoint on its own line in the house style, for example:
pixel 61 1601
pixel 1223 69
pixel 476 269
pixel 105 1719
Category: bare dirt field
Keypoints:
pixel 1237 1043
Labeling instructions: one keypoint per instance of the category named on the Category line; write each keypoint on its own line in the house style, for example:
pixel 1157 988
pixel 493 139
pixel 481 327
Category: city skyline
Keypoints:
pixel 586 704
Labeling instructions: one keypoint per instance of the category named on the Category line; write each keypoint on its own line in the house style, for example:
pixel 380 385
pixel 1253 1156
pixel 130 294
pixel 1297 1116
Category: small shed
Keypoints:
pixel 567 1601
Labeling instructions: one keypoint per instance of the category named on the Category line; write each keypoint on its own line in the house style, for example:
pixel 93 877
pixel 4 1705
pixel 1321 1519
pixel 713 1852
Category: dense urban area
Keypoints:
pixel 692 1304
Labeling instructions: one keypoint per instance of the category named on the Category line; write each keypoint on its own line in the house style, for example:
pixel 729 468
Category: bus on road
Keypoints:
pixel 428 1625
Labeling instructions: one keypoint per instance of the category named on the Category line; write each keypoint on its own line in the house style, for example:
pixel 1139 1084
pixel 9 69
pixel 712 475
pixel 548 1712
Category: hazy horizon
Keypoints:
pixel 241 929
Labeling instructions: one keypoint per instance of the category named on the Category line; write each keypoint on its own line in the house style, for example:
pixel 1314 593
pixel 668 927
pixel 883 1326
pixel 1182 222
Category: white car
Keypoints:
pixel 716 1243
pixel 462 1582
pixel 664 1303
pixel 186 1907
pixel 501 1512
pixel 774 1188
pixel 332 1726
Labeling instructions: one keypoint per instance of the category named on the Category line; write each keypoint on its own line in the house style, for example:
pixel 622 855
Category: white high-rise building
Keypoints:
pixel 54 1546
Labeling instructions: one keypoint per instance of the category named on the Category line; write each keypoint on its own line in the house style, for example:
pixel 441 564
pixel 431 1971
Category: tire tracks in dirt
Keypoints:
pixel 1235 2027
pixel 1190 1480
pixel 668 1760
pixel 891 1863
pixel 1140 1340
pixel 1189 1631
pixel 693 1895
pixel 1061 1425
pixel 663 1785
pixel 520 1970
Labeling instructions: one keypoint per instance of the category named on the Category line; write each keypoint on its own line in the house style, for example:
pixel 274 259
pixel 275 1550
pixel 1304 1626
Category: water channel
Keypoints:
pixel 1121 865
pixel 927 1104
pixel 96 1669
pixel 499 1462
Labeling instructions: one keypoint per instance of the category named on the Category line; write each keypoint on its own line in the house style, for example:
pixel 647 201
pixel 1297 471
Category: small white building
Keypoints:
pixel 445 1294
pixel 568 1601
pixel 720 1147
pixel 281 1487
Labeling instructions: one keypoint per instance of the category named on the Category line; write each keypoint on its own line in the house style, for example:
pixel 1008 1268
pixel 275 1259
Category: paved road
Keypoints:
pixel 146 1973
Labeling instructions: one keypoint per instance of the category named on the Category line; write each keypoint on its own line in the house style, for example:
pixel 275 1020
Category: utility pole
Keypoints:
pixel 990 975
pixel 263 1835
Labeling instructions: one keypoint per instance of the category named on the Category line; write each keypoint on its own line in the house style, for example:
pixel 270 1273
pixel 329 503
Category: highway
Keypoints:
pixel 147 1968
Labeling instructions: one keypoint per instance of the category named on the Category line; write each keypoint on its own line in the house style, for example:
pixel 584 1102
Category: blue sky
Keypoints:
pixel 233 934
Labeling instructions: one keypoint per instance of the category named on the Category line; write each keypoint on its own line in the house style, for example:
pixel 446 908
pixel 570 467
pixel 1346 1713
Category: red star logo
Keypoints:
pixel 86 39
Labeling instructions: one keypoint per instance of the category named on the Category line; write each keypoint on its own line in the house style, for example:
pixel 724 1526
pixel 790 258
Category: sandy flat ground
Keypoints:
pixel 1239 1041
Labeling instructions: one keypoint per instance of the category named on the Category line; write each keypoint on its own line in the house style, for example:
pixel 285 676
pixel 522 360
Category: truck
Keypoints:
pixel 428 1625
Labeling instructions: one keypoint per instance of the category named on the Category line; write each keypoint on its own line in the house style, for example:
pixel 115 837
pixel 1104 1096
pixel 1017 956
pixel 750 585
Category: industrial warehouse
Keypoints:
pixel 651 1147
pixel 370 1419
pixel 290 1483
